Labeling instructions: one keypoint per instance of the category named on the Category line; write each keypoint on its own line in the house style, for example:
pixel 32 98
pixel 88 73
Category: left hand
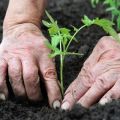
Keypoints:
pixel 24 54
pixel 99 79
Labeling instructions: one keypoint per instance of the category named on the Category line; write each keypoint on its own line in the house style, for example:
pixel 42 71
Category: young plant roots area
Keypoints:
pixel 67 13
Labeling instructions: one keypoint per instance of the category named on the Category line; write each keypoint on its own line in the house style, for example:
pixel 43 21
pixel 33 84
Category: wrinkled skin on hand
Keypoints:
pixel 99 79
pixel 24 54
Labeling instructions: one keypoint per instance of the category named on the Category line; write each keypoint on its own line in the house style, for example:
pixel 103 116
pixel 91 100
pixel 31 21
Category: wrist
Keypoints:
pixel 11 23
pixel 22 29
pixel 26 11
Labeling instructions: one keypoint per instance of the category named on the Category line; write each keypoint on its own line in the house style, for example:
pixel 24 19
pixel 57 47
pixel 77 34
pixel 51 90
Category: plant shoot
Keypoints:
pixel 62 37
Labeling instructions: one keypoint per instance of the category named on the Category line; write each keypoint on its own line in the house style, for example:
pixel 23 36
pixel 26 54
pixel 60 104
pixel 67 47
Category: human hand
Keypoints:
pixel 24 53
pixel 99 79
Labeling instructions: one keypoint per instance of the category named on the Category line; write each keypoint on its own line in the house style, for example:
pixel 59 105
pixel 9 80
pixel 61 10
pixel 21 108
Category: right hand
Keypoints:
pixel 24 54
pixel 99 79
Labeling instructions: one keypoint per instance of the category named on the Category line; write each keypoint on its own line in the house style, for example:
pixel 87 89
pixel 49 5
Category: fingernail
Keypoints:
pixel 104 101
pixel 65 106
pixel 2 96
pixel 56 104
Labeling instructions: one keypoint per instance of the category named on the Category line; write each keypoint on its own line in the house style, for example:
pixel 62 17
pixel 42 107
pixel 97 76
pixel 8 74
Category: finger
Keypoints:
pixel 31 79
pixel 98 89
pixel 15 76
pixel 75 91
pixel 113 93
pixel 47 68
pixel 3 85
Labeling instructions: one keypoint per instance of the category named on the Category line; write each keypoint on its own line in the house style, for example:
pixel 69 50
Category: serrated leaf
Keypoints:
pixel 53 30
pixel 87 21
pixel 65 31
pixel 65 34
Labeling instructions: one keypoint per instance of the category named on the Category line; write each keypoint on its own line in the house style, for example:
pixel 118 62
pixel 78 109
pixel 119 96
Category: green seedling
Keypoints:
pixel 62 37
pixel 112 6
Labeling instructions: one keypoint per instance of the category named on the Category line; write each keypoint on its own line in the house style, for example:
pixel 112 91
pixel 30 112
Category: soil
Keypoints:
pixel 67 12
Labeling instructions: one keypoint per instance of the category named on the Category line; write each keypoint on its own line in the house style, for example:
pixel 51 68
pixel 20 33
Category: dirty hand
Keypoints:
pixel 24 54
pixel 99 79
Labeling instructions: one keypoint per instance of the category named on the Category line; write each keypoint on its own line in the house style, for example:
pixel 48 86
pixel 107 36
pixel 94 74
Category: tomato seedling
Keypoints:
pixel 62 37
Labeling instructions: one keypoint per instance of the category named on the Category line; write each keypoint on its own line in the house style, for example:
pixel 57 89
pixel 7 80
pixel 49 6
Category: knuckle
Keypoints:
pixel 87 82
pixel 103 41
pixel 86 65
pixel 86 77
pixel 31 75
pixel 102 84
pixel 14 76
pixel 107 41
pixel 50 73
pixel 15 73
pixel 111 54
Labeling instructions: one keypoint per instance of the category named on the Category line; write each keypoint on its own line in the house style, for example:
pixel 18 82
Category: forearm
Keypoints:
pixel 24 11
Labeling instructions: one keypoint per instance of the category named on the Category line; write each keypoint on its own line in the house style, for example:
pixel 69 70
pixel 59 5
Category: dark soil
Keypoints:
pixel 67 12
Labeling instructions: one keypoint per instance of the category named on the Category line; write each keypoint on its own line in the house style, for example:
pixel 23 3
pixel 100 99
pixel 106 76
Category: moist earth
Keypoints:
pixel 67 12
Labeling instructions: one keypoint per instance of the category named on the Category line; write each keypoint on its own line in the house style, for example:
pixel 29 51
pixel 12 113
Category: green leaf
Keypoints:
pixel 53 30
pixel 107 26
pixel 65 40
pixel 55 40
pixel 103 22
pixel 65 31
pixel 45 23
pixel 50 17
pixel 87 21
pixel 110 9
pixel 118 22
pixel 112 32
